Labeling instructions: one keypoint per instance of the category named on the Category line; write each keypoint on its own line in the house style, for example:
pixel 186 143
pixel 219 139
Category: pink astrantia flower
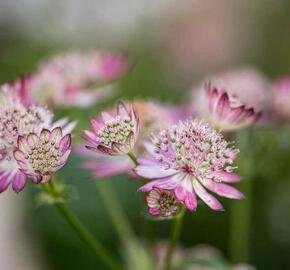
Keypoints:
pixel 153 118
pixel 75 79
pixel 226 112
pixel 190 159
pixel 39 156
pixel 18 119
pixel 162 202
pixel 114 133
pixel 281 97
pixel 248 85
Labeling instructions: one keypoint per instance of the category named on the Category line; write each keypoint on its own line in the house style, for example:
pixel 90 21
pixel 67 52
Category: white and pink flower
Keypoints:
pixel 39 156
pixel 226 112
pixel 153 118
pixel 17 119
pixel 191 159
pixel 114 133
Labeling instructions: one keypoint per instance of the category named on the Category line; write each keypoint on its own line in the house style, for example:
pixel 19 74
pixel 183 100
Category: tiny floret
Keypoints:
pixel 162 203
pixel 189 159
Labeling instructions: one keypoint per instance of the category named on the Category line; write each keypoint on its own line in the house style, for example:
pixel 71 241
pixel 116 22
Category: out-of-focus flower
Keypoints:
pixel 188 159
pixel 39 156
pixel 226 112
pixel 153 118
pixel 162 202
pixel 76 79
pixel 114 133
pixel 246 84
pixel 281 97
pixel 19 120
pixel 108 66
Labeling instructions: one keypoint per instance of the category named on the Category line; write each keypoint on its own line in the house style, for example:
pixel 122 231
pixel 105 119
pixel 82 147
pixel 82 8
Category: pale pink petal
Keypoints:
pixel 153 171
pixel 222 189
pixel 227 177
pixel 209 200
pixel 19 181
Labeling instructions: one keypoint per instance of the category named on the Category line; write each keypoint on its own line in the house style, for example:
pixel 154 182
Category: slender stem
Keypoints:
pixel 174 238
pixel 83 233
pixel 116 212
pixel 240 226
pixel 240 213
pixel 133 158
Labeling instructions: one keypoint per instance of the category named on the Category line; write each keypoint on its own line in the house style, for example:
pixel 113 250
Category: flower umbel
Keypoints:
pixel 190 158
pixel 226 112
pixel 40 156
pixel 162 203
pixel 114 134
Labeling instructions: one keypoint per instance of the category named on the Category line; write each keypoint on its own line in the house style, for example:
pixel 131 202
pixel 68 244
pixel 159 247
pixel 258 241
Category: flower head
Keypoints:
pixel 190 158
pixel 39 156
pixel 18 118
pixel 226 112
pixel 114 133
pixel 248 85
pixel 162 203
pixel 153 118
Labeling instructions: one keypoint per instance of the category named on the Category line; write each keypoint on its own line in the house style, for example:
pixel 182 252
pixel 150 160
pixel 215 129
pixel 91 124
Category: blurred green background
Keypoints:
pixel 265 152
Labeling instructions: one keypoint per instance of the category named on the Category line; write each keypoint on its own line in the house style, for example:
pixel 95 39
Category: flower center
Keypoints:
pixel 43 156
pixel 3 151
pixel 168 203
pixel 116 131
pixel 19 121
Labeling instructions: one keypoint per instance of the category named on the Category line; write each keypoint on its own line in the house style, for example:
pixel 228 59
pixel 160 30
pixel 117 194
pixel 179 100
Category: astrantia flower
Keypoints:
pixel 19 119
pixel 226 112
pixel 190 159
pixel 281 96
pixel 248 85
pixel 114 133
pixel 162 202
pixel 75 79
pixel 39 156
pixel 153 118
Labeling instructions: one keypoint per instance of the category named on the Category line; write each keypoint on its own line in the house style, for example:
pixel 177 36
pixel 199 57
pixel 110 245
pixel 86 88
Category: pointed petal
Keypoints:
pixel 223 190
pixel 210 200
pixel 153 171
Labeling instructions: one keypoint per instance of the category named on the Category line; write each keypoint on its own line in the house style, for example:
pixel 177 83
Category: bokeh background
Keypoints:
pixel 174 45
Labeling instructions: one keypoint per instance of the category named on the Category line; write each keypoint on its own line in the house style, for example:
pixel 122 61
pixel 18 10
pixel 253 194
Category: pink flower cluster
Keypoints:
pixel 75 79
pixel 189 159
pixel 20 122
pixel 182 153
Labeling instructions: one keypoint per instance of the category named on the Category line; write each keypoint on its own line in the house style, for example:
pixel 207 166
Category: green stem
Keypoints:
pixel 240 225
pixel 116 212
pixel 174 238
pixel 240 213
pixel 83 233
pixel 133 158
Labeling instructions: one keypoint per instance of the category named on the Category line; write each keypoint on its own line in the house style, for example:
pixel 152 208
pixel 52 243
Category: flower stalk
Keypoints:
pixel 174 238
pixel 85 235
